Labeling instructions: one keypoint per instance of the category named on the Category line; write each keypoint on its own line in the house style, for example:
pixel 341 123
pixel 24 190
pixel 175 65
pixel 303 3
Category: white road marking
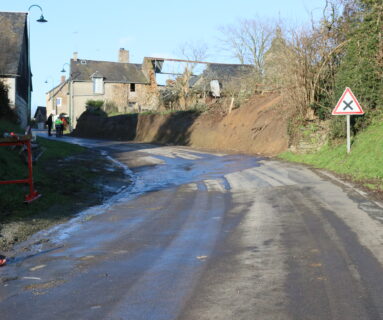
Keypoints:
pixel 187 156
pixel 238 181
pixel 191 187
pixel 214 185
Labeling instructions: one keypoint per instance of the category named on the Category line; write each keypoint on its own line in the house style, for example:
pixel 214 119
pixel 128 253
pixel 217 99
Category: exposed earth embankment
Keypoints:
pixel 258 127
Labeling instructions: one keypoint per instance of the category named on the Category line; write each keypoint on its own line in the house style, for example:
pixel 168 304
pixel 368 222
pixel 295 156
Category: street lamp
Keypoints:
pixel 41 20
pixel 63 69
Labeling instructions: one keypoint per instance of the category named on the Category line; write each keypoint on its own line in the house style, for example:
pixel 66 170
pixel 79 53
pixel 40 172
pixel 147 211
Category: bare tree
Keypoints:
pixel 248 40
pixel 308 63
pixel 192 51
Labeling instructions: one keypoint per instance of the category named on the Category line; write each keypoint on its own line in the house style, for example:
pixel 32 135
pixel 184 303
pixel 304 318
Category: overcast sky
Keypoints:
pixel 97 29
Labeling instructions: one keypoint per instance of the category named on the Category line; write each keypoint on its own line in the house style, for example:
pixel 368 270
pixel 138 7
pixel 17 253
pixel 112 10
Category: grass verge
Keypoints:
pixel 69 177
pixel 363 165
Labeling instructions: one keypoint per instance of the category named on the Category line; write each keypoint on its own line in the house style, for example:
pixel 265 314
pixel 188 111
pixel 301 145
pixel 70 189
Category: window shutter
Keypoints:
pixel 98 85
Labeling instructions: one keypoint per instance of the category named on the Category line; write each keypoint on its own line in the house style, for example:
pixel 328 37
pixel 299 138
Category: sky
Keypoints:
pixel 97 29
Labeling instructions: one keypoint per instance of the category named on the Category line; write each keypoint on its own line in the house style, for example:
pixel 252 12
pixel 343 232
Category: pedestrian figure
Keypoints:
pixel 3 260
pixel 59 127
pixel 49 123
pixel 65 123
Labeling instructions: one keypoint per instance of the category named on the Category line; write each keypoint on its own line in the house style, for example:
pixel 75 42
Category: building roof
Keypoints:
pixel 41 113
pixel 56 90
pixel 222 72
pixel 82 70
pixel 12 31
pixel 193 80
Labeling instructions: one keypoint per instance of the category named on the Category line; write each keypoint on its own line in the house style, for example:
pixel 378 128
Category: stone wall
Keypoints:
pixel 92 125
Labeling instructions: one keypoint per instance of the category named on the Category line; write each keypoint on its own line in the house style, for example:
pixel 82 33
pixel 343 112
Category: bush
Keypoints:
pixel 5 110
pixel 97 104
pixel 362 62
pixel 110 107
pixel 94 106
pixel 338 127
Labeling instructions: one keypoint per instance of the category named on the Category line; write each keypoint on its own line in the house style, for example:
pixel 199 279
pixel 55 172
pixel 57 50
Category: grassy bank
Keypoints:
pixel 364 164
pixel 68 177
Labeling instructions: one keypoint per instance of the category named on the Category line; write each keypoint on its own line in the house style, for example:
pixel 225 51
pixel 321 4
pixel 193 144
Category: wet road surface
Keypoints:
pixel 205 236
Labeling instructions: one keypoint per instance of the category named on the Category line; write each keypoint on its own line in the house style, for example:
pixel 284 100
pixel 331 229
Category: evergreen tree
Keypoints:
pixel 361 66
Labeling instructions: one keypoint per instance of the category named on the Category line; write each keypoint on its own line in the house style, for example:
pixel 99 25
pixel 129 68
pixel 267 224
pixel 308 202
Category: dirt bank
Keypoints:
pixel 258 127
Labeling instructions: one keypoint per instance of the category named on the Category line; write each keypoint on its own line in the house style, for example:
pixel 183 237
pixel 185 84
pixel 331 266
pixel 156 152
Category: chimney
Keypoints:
pixel 62 79
pixel 75 56
pixel 123 55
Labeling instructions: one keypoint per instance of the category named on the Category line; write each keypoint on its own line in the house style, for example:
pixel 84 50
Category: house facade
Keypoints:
pixel 129 87
pixel 123 86
pixel 57 99
pixel 14 63
pixel 218 77
pixel 40 117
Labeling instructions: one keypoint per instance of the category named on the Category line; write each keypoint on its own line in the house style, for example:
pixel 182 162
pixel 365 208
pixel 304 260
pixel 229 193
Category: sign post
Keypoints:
pixel 348 105
pixel 348 133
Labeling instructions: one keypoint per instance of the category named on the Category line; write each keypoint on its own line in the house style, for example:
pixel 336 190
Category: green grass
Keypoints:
pixel 70 178
pixel 59 175
pixel 58 149
pixel 193 109
pixel 364 163
pixel 198 108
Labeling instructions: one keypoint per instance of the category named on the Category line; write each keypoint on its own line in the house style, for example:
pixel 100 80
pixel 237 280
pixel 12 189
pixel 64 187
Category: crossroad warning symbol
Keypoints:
pixel 347 104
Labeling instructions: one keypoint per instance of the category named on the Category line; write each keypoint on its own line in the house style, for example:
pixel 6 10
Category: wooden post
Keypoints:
pixel 231 104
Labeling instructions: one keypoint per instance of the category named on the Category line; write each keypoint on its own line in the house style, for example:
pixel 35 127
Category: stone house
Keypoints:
pixel 277 60
pixel 14 62
pixel 123 86
pixel 40 117
pixel 220 79
pixel 57 99
pixel 217 80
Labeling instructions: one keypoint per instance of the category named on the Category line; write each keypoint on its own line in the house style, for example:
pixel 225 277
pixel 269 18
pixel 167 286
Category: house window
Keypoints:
pixel 98 85
pixel 132 105
pixel 59 102
pixel 132 87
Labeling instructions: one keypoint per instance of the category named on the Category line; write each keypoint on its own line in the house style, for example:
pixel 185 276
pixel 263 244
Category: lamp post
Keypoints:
pixel 40 20
pixel 50 93
pixel 70 103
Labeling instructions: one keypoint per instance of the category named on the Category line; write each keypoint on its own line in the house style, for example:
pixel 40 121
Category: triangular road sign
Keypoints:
pixel 347 104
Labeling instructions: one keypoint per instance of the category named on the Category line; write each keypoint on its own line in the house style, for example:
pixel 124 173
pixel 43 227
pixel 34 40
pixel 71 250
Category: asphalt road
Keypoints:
pixel 206 236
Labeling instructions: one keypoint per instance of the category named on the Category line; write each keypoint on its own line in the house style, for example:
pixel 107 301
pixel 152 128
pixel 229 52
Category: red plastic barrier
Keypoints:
pixel 18 141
